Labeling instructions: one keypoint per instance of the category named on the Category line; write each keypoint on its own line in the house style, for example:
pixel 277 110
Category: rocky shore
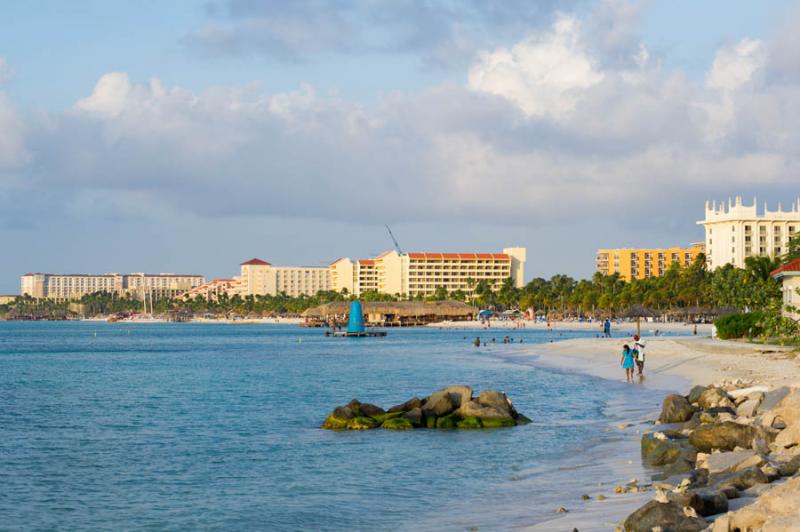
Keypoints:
pixel 453 407
pixel 728 457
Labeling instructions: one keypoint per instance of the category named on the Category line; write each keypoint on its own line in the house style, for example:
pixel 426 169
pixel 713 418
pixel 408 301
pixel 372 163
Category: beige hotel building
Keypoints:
pixel 422 273
pixel 72 286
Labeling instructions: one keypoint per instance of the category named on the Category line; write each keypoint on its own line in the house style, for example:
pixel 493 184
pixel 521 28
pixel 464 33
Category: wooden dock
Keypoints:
pixel 345 334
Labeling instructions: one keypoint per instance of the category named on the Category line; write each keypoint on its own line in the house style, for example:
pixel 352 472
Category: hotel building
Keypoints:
pixel 72 286
pixel 644 263
pixel 260 278
pixel 789 277
pixel 736 231
pixel 415 274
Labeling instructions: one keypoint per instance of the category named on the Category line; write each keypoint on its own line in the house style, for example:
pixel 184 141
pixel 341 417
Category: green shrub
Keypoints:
pixel 739 325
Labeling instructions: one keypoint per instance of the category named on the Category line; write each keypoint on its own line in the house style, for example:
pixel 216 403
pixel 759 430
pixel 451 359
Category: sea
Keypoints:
pixel 185 426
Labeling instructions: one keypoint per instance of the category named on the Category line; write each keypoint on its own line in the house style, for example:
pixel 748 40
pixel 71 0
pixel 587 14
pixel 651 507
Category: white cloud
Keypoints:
pixel 734 66
pixel 545 74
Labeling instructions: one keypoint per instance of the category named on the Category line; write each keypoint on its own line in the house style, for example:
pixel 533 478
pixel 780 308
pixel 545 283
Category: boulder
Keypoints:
pixel 414 416
pixel 675 409
pixel 438 404
pixel 774 510
pixel 748 392
pixel 729 462
pixel 786 460
pixel 725 436
pixel 714 397
pixel 337 420
pixel 658 450
pixel 695 393
pixel 772 398
pixel 459 393
pixel 496 400
pixel 398 423
pixel 474 409
pixel 469 423
pixel 497 422
pixel 361 423
pixel 370 410
pixel 666 515
pixel 741 480
pixel 748 408
pixel 704 502
pixel 355 406
pixel 447 422
pixel 409 405
pixel 788 437
pixel 380 418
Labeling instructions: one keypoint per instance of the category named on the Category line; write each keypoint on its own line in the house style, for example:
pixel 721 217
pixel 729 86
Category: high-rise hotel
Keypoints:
pixel 736 231
pixel 414 274
pixel 60 286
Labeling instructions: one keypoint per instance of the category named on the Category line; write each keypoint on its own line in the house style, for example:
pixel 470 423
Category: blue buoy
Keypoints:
pixel 356 322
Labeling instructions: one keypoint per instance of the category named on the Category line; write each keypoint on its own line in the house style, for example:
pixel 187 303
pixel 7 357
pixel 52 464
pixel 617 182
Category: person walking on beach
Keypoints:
pixel 638 349
pixel 627 362
pixel 607 328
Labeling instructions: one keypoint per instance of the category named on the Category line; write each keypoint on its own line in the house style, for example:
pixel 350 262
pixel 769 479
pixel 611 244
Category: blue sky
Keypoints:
pixel 189 136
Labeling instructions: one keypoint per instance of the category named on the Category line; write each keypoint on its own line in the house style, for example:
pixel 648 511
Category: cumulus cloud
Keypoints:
pixel 543 129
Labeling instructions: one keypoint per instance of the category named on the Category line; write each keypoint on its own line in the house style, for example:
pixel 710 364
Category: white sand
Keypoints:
pixel 673 364
pixel 617 328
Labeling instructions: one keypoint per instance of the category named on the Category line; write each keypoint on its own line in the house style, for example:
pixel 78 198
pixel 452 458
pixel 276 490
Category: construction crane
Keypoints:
pixel 396 245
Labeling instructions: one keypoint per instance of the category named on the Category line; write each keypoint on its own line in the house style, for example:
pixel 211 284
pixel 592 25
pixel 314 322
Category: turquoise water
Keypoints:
pixel 189 426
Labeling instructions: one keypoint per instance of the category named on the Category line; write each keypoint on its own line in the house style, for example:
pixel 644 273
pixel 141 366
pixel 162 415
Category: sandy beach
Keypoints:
pixel 619 329
pixel 674 364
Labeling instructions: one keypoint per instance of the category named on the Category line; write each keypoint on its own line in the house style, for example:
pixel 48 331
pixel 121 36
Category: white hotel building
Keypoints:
pixel 736 231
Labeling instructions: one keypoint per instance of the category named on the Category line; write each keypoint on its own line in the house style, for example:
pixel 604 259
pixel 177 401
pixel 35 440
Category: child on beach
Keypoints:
pixel 627 362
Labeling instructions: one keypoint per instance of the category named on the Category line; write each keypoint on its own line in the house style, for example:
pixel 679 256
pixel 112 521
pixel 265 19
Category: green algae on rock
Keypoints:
pixel 453 407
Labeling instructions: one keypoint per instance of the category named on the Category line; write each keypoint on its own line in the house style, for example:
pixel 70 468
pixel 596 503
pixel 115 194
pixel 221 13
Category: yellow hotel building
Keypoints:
pixel 644 263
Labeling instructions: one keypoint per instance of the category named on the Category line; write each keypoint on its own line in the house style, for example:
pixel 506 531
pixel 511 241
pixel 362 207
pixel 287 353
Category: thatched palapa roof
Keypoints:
pixel 396 308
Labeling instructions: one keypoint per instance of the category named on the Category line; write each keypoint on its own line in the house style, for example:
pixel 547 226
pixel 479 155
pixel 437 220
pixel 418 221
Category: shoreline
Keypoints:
pixel 673 365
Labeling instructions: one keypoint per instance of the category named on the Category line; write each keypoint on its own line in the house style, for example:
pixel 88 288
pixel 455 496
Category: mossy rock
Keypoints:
pixel 334 423
pixel 430 422
pixel 381 418
pixel 497 422
pixel 398 423
pixel 470 422
pixel 361 423
pixel 523 420
pixel 447 422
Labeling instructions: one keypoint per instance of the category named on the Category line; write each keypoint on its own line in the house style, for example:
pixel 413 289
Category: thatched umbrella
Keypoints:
pixel 639 312
pixel 407 309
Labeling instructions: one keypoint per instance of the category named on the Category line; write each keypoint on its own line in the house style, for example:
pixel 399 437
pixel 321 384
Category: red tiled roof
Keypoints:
pixel 793 266
pixel 366 262
pixel 459 256
pixel 255 262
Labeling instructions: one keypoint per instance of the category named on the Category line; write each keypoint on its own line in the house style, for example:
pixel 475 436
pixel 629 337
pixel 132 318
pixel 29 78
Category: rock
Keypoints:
pixel 786 460
pixel 725 436
pixel 771 472
pixel 362 423
pixel 667 516
pixel 447 422
pixel 409 405
pixel 778 423
pixel 713 397
pixel 497 400
pixel 370 410
pixel 788 437
pixel 748 408
pixel 438 404
pixel 380 418
pixel 675 409
pixel 747 392
pixel 469 423
pixel 474 409
pixel 458 394
pixel 585 497
pixel 731 461
pixel 695 393
pixel 497 422
pixel 414 416
pixel 712 502
pixel 741 480
pixel 661 451
pixel 398 423
pixel 355 407
pixel 337 420
pixel 772 398
pixel 430 422
pixel 522 420
pixel 776 509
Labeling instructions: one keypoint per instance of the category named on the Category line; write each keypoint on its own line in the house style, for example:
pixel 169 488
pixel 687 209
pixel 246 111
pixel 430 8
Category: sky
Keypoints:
pixel 188 136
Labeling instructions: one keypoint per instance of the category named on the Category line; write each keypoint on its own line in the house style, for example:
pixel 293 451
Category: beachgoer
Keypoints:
pixel 477 341
pixel 627 362
pixel 694 332
pixel 607 328
pixel 638 348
